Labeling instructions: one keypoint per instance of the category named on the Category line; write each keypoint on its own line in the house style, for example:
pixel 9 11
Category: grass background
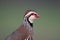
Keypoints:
pixel 45 28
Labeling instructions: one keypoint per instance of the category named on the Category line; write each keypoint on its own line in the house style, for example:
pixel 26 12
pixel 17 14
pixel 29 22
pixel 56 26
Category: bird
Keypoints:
pixel 25 31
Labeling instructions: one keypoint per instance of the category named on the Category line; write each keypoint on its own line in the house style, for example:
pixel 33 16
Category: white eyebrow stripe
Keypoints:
pixel 30 13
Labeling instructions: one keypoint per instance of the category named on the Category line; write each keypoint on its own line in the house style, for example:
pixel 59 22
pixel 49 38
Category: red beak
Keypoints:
pixel 37 16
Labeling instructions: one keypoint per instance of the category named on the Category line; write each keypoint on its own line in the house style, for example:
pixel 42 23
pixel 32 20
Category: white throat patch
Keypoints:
pixel 32 18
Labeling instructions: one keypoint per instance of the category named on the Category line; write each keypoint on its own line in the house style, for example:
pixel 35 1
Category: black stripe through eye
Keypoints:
pixel 31 14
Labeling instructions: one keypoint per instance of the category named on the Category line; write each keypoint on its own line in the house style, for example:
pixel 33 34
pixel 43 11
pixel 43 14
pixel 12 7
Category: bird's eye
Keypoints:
pixel 32 14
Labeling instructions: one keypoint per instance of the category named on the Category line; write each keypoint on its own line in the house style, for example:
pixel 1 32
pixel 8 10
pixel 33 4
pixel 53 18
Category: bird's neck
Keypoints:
pixel 30 22
pixel 26 20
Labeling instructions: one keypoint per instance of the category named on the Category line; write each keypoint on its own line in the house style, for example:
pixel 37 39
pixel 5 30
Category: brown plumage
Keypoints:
pixel 25 31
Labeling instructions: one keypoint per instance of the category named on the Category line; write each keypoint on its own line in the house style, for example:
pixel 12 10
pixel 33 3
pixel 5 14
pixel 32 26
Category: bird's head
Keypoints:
pixel 31 15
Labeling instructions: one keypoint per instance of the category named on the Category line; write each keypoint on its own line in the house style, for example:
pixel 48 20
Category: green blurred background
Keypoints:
pixel 45 28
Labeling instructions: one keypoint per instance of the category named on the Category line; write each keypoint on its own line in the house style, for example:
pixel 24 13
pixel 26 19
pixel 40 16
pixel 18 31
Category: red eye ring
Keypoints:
pixel 33 14
pixel 36 15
